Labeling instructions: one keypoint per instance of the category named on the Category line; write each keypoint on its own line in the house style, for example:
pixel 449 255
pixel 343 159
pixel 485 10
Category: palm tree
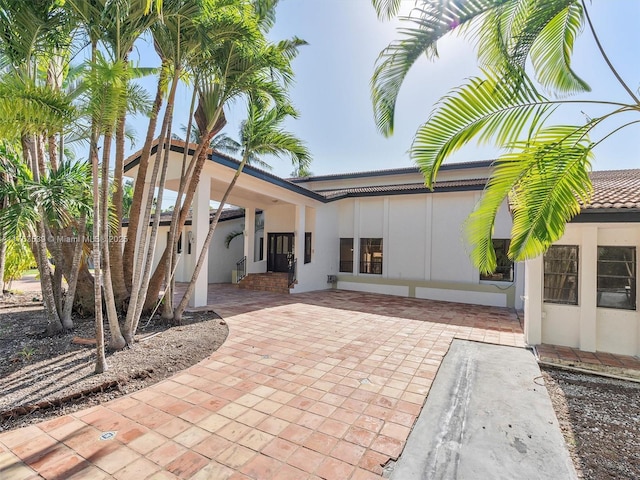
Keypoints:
pixel 261 133
pixel 544 173
pixel 230 69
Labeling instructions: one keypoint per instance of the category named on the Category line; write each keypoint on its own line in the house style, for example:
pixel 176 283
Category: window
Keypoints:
pixel 179 247
pixel 617 277
pixel 371 255
pixel 307 247
pixel 261 249
pixel 504 268
pixel 561 274
pixel 346 255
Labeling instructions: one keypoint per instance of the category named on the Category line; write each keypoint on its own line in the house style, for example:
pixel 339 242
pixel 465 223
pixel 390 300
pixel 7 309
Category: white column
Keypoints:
pixel 200 227
pixel 299 235
pixel 249 234
pixel 533 296
pixel 588 267
pixel 356 236
pixel 385 238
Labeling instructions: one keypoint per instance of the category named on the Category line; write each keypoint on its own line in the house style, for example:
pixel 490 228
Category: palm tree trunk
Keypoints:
pixel 116 341
pixel 200 155
pixel 67 321
pixel 140 280
pixel 136 205
pixel 120 291
pixel 177 316
pixel 30 152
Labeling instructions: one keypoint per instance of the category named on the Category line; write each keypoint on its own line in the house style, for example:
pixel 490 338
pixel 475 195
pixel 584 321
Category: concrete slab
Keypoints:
pixel 487 416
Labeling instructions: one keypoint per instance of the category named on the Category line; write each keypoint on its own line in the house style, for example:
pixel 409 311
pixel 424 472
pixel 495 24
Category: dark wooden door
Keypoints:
pixel 280 251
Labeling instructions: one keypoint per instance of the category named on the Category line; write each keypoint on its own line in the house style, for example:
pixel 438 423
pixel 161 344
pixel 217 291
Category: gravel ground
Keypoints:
pixel 600 420
pixel 46 376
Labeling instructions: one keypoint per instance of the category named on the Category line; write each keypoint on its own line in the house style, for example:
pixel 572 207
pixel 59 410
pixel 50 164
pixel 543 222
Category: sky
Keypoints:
pixel 333 72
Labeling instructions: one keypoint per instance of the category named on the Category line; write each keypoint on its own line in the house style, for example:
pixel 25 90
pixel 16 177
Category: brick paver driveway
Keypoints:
pixel 320 385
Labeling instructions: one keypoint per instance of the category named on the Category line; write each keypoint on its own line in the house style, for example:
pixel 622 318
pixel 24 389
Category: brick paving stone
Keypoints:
pixel 304 387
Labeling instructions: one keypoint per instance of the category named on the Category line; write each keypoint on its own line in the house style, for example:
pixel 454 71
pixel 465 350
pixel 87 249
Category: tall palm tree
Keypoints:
pixel 261 133
pixel 227 70
pixel 544 173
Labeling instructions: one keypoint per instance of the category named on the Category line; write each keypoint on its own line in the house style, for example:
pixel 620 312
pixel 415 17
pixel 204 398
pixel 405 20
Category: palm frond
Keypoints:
pixel 551 51
pixel 490 108
pixel 428 24
pixel 544 180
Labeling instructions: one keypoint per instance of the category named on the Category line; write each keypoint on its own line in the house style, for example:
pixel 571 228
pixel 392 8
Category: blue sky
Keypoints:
pixel 333 72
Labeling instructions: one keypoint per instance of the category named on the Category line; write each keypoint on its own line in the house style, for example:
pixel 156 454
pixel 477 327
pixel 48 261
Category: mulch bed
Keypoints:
pixel 600 421
pixel 46 376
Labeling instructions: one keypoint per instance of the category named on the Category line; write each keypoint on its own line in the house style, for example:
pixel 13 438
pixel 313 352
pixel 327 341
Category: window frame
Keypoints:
pixel 371 267
pixel 630 290
pixel 307 247
pixel 501 250
pixel 342 261
pixel 575 258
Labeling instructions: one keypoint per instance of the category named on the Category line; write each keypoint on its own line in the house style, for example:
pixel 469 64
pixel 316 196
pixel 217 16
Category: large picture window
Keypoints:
pixel 617 277
pixel 371 255
pixel 561 274
pixel 504 268
pixel 346 255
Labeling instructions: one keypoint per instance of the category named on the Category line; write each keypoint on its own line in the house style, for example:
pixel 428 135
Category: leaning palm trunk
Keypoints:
pixel 140 280
pixel 169 282
pixel 177 316
pixel 128 255
pixel 200 156
pixel 67 321
pixel 116 341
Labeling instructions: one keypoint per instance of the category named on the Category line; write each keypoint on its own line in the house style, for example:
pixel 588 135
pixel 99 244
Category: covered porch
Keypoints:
pixel 278 232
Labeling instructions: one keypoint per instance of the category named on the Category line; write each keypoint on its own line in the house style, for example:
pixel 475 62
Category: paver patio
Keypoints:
pixel 319 385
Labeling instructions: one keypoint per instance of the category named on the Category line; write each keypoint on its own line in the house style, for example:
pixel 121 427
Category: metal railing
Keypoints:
pixel 241 269
pixel 292 268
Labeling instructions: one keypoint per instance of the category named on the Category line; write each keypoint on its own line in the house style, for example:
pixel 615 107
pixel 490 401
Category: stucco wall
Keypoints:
pixel 585 325
pixel 423 249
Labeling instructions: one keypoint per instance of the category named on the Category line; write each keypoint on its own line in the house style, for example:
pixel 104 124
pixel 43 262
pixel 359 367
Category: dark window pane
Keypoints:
pixel 504 268
pixel 307 247
pixel 346 255
pixel 561 274
pixel 371 255
pixel 617 277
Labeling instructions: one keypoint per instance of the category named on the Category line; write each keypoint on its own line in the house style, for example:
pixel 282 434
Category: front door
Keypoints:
pixel 280 250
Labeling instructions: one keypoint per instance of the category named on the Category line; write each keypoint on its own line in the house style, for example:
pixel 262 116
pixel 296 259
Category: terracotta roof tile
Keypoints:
pixel 616 189
pixel 470 184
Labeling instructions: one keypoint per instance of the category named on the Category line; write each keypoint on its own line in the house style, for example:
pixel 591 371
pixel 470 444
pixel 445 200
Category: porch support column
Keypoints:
pixel 249 236
pixel 533 290
pixel 587 268
pixel 299 235
pixel 200 227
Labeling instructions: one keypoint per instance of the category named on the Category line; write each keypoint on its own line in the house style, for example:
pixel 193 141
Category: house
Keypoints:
pixel 385 232
pixel 583 292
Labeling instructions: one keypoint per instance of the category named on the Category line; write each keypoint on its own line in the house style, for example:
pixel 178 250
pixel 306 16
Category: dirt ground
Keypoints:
pixel 43 377
pixel 600 421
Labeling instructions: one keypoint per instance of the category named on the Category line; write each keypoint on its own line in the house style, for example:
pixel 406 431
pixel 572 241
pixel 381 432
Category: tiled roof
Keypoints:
pixel 227 214
pixel 451 185
pixel 615 189
pixel 390 171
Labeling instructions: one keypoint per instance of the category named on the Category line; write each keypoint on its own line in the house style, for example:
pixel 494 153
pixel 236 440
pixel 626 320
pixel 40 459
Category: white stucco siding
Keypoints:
pixel 449 258
pixel 345 218
pixel 280 219
pixel 617 331
pixel 371 219
pixel 222 260
pixel 324 257
pixel 405 247
pixel 561 325
pixel 463 296
pixel 585 325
